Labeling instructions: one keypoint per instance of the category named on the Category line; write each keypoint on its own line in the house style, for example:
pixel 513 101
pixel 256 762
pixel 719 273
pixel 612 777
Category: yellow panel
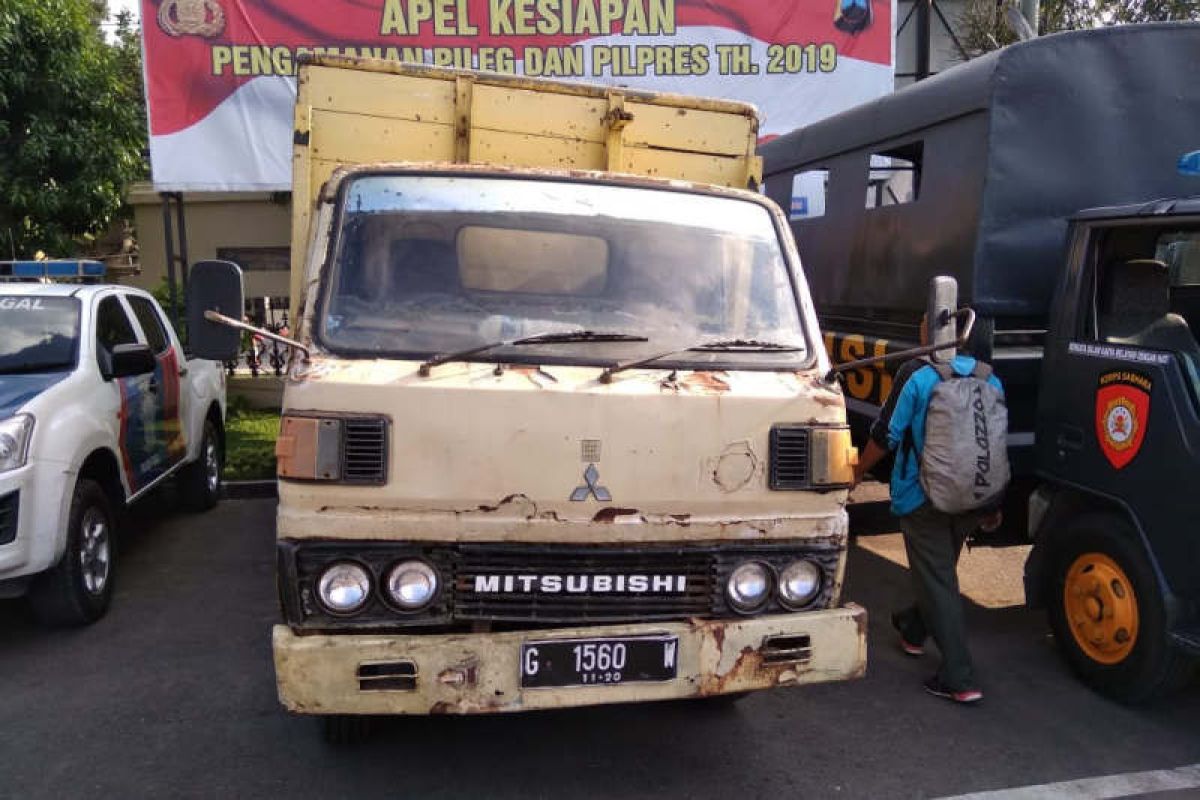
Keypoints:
pixel 362 139
pixel 382 95
pixel 686 166
pixel 688 129
pixel 523 150
pixel 522 111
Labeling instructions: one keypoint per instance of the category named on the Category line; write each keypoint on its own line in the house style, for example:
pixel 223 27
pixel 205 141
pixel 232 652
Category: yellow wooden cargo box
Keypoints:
pixel 362 111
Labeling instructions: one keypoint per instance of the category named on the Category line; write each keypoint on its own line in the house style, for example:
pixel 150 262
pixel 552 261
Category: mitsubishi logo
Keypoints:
pixel 591 486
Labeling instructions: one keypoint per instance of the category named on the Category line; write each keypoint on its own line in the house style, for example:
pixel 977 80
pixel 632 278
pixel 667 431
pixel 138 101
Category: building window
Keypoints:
pixel 809 190
pixel 895 176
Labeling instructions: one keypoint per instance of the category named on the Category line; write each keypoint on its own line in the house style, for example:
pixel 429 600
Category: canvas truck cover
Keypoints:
pixel 361 111
pixel 1011 145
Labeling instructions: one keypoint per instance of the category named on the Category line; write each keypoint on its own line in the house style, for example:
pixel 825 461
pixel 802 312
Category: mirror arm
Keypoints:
pixel 968 327
pixel 221 319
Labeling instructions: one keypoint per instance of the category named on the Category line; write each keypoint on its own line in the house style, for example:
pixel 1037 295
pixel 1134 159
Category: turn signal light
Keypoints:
pixel 833 457
pixel 309 448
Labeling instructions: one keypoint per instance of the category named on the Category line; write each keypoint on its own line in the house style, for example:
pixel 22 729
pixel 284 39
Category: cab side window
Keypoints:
pixel 112 328
pixel 147 316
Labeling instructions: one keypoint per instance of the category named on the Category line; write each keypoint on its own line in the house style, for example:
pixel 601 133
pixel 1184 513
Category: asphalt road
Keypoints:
pixel 172 694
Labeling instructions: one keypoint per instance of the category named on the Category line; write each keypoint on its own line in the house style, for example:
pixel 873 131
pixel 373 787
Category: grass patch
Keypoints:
pixel 250 444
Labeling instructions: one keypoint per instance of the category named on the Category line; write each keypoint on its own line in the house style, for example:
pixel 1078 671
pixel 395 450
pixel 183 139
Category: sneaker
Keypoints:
pixel 908 647
pixel 965 696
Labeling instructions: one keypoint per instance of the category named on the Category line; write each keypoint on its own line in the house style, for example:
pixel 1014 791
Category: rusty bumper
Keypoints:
pixel 479 673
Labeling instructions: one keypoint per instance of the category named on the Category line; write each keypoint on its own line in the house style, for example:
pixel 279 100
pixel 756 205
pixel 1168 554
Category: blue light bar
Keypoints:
pixel 52 270
pixel 1189 164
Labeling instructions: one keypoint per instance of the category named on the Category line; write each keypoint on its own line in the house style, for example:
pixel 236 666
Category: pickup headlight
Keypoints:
pixel 15 433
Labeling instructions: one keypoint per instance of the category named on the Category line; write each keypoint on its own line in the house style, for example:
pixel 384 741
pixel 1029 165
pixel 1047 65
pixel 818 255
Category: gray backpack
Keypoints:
pixel 964 465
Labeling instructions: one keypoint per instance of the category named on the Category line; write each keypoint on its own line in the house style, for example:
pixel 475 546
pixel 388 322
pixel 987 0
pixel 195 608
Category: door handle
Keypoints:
pixel 1069 438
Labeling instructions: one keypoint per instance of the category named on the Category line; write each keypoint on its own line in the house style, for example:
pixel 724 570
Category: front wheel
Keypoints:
pixel 78 589
pixel 200 481
pixel 1108 614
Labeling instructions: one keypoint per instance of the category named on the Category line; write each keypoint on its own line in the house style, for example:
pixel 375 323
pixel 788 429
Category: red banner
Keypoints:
pixel 219 72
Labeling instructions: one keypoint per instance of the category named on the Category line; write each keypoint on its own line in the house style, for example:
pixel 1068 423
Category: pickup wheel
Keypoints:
pixel 200 481
pixel 1108 613
pixel 344 730
pixel 78 589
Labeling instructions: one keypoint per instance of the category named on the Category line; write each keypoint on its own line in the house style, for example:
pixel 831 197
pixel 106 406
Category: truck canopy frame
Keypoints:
pixel 1002 151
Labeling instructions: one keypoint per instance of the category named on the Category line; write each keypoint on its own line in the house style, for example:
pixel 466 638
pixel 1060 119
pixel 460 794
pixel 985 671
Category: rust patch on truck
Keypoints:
pixel 735 467
pixel 610 514
pixel 705 382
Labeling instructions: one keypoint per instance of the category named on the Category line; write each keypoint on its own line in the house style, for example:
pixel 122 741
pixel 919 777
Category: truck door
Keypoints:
pixel 169 432
pixel 1121 410
pixel 137 398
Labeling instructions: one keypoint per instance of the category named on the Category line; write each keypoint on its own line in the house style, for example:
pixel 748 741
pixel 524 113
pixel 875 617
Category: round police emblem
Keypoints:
pixel 1120 423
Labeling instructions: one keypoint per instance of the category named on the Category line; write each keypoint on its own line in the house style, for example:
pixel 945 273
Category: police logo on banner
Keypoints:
pixel 1122 411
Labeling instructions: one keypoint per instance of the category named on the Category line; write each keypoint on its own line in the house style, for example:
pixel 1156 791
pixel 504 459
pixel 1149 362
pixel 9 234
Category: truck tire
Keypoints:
pixel 1108 613
pixel 200 481
pixel 77 590
pixel 344 730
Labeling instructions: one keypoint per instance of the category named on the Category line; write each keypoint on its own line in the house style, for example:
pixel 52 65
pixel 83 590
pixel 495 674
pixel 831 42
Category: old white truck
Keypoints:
pixel 98 406
pixel 556 432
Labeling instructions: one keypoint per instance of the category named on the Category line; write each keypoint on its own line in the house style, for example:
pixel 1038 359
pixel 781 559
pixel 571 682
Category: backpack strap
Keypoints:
pixel 944 371
pixel 982 371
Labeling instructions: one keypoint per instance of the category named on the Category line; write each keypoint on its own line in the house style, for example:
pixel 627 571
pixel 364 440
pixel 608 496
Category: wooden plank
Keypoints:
pixel 376 94
pixel 540 152
pixel 562 116
pixel 718 170
pixel 689 130
pixel 361 139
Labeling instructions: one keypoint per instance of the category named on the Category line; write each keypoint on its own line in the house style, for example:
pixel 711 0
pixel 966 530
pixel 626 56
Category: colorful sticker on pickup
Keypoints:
pixel 1122 412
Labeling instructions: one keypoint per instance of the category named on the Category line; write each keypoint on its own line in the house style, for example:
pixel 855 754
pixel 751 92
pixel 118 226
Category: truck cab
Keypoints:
pixel 559 433
pixel 1116 558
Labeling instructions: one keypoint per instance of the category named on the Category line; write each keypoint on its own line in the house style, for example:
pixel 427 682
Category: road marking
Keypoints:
pixel 1129 784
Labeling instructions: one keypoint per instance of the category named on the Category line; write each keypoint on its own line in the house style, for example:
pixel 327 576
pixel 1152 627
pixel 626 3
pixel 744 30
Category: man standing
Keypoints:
pixel 933 539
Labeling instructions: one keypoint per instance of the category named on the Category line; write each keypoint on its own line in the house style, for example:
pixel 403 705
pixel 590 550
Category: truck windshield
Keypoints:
pixel 38 334
pixel 435 264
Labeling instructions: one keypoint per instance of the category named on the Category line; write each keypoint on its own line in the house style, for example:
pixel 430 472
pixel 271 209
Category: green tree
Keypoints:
pixel 72 124
pixel 985 27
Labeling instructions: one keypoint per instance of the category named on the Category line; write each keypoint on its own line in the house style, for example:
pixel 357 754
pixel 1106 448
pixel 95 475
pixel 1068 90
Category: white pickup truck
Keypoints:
pixel 98 406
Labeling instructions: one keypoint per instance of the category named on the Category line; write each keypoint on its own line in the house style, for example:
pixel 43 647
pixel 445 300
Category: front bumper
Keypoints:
pixel 42 499
pixel 479 673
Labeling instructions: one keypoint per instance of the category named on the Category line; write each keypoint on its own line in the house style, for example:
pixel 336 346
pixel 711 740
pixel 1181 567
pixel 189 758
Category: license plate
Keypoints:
pixel 597 662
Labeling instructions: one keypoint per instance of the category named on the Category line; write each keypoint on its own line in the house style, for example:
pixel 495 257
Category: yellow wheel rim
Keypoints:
pixel 1101 608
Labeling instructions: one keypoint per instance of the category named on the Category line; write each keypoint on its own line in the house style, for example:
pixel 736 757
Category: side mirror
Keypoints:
pixel 940 316
pixel 214 286
pixel 128 360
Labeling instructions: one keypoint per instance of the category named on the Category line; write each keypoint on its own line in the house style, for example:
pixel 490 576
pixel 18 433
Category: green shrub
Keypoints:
pixel 250 443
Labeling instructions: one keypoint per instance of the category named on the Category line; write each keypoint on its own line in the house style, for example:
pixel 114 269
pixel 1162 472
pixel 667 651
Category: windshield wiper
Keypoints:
pixel 719 346
pixel 552 337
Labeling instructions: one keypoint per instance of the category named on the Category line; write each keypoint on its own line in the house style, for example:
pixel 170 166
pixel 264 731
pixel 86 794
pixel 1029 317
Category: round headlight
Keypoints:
pixel 749 586
pixel 412 584
pixel 799 583
pixel 344 587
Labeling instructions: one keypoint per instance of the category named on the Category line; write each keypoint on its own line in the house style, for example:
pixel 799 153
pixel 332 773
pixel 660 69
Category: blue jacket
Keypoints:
pixel 901 427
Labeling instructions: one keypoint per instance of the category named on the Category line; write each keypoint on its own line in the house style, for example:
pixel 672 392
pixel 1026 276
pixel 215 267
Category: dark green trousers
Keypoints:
pixel 934 541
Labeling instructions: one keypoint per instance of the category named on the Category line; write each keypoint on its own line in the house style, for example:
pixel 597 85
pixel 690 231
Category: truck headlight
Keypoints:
pixel 799 583
pixel 412 585
pixel 344 587
pixel 749 585
pixel 15 433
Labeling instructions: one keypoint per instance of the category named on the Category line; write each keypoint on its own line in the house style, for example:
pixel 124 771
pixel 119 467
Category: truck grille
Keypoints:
pixel 684 584
pixel 364 450
pixel 8 517
pixel 789 462
pixel 509 583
